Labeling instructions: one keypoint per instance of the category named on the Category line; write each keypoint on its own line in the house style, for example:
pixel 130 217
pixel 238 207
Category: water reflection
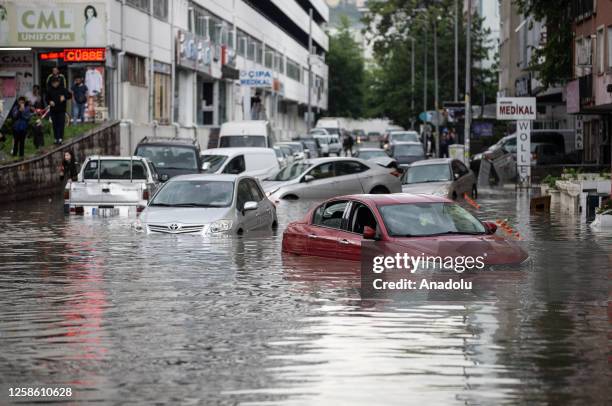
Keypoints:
pixel 123 317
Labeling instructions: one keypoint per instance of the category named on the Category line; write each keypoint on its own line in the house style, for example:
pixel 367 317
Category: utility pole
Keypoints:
pixel 412 83
pixel 436 108
pixel 468 83
pixel 309 118
pixel 425 72
pixel 456 51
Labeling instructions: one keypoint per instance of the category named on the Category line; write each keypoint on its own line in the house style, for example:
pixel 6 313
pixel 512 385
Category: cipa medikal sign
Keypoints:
pixel 256 78
pixel 516 108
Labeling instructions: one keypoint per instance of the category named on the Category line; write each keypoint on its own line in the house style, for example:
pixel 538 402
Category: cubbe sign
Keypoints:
pixel 523 110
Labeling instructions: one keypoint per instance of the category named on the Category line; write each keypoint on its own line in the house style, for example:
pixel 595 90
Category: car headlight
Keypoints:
pixel 443 191
pixel 220 226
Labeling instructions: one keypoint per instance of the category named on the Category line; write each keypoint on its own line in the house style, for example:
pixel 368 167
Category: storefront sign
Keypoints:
pixel 76 55
pixel 516 108
pixel 53 23
pixel 256 78
pixel 523 150
pixel 579 141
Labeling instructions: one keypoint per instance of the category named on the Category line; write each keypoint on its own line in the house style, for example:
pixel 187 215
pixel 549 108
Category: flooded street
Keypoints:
pixel 122 317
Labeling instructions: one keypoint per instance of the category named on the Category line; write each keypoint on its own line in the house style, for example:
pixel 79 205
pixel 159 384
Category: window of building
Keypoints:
pixel 279 66
pixel 134 70
pixel 601 49
pixel 259 49
pixel 206 94
pixel 293 70
pixel 610 47
pixel 160 7
pixel 269 58
pixel 584 57
pixel 242 40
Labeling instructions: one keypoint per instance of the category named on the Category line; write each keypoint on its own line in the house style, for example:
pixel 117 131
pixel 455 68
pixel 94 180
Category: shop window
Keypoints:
pixel 134 70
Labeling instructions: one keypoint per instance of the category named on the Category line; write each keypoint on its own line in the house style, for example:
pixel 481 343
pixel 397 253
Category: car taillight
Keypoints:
pixel 395 172
pixel 66 194
pixel 145 195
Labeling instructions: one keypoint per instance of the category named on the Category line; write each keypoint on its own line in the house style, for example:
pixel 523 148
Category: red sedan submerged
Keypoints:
pixel 414 223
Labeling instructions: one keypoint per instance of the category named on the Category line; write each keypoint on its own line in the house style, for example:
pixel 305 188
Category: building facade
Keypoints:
pixel 188 65
pixel 589 95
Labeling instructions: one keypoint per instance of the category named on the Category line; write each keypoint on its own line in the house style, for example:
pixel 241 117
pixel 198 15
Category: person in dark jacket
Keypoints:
pixel 56 98
pixel 69 169
pixel 20 114
pixel 79 100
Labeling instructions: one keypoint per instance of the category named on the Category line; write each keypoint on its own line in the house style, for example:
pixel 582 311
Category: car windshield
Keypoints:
pixel 404 137
pixel 318 132
pixel 278 152
pixel 169 157
pixel 214 162
pixel 115 169
pixel 404 150
pixel 231 141
pixel 426 219
pixel 372 154
pixel 291 172
pixel 428 173
pixel 195 193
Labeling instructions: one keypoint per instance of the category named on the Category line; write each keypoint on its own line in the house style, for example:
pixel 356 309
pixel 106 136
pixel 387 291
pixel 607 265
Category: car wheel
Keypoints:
pixel 379 190
pixel 240 231
pixel 474 192
pixel 290 197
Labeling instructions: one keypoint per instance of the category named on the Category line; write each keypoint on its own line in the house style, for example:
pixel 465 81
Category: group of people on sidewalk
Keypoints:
pixel 53 104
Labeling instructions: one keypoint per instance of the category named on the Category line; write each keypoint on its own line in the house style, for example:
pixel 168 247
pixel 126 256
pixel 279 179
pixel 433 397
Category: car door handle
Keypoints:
pixel 345 241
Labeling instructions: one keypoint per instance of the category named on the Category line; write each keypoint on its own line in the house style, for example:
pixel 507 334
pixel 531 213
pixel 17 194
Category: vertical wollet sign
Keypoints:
pixel 523 147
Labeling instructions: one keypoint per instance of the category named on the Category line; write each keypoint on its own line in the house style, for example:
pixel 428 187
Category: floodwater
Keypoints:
pixel 125 318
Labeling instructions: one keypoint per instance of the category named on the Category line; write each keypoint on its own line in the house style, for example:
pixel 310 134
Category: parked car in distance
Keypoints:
pixel 248 133
pixel 374 136
pixel 281 157
pixel 208 205
pixel 400 136
pixel 377 155
pixel 297 149
pixel 317 131
pixel 359 136
pixel 440 177
pixel 326 177
pixel 337 228
pixel 171 156
pixel 330 144
pixel 312 148
pixel 406 152
pixel 256 162
pixel 111 185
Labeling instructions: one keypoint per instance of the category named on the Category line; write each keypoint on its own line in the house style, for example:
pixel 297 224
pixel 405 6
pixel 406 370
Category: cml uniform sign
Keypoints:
pixel 523 111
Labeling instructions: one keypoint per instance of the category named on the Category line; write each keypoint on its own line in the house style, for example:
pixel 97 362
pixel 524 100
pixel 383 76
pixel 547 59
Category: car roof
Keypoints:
pixel 236 151
pixel 395 198
pixel 407 143
pixel 210 177
pixel 371 150
pixel 114 157
pixel 435 161
pixel 315 161
pixel 182 141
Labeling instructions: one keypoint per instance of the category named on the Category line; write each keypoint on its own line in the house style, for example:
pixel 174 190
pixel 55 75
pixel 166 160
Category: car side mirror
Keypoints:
pixel 163 177
pixel 490 227
pixel 251 205
pixel 206 166
pixel 369 233
pixel 308 178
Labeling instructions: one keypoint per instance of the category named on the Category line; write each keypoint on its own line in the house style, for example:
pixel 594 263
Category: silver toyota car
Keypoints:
pixel 207 205
pixel 323 178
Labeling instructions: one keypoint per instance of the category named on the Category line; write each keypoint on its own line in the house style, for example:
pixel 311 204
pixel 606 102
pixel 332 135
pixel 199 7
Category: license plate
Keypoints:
pixel 105 211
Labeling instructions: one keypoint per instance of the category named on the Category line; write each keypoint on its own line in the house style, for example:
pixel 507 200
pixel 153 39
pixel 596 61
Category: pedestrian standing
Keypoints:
pixel 55 74
pixel 57 97
pixel 79 100
pixel 20 114
pixel 69 169
pixel 347 144
pixel 35 98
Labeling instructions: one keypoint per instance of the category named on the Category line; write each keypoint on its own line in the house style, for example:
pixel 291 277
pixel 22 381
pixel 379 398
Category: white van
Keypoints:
pixel 249 133
pixel 331 124
pixel 257 162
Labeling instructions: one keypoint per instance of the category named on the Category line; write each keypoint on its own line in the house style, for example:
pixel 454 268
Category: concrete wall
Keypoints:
pixel 40 176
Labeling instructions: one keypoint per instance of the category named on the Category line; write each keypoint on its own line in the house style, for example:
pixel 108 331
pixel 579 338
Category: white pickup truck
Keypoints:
pixel 111 185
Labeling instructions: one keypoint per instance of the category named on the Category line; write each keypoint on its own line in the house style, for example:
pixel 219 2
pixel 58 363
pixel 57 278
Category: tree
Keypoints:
pixel 346 73
pixel 393 23
pixel 552 61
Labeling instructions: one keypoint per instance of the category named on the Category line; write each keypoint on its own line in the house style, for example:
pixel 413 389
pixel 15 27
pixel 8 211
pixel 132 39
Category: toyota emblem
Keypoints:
pixel 173 227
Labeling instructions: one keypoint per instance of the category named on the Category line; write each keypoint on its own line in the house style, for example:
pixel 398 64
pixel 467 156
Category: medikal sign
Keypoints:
pixel 516 108
pixel 256 78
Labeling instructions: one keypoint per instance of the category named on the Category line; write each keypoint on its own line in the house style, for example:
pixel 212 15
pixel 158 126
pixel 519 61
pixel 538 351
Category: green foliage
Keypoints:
pixel 393 22
pixel 553 61
pixel 572 173
pixel 551 181
pixel 346 74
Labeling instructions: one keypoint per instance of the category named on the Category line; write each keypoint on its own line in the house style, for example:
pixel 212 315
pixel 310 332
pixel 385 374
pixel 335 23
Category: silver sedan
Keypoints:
pixel 323 178
pixel 208 205
pixel 441 177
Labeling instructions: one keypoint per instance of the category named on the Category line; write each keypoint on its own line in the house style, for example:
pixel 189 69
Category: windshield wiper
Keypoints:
pixel 161 204
pixel 195 205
